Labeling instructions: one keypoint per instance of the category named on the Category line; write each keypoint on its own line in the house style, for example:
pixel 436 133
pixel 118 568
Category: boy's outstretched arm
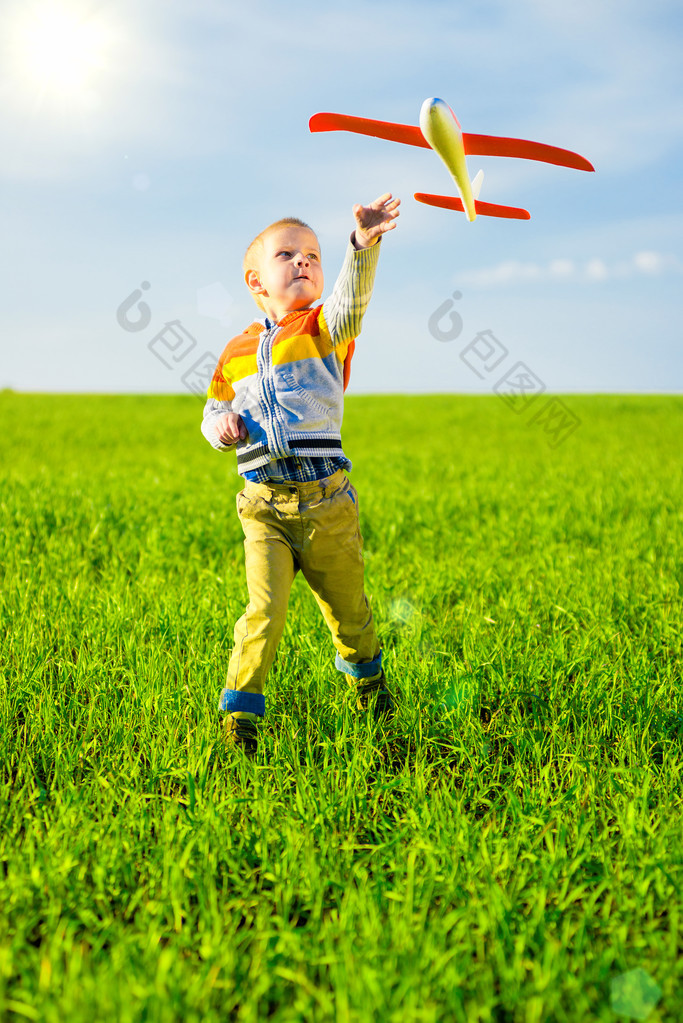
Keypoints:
pixel 344 309
pixel 375 219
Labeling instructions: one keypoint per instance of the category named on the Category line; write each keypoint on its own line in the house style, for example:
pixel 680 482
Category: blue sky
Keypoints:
pixel 169 133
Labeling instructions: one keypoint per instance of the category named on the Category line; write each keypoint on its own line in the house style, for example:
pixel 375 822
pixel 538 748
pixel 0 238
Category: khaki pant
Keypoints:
pixel 312 527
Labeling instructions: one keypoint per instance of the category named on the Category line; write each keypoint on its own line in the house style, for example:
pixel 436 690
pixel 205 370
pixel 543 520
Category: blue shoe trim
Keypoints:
pixel 365 670
pixel 233 699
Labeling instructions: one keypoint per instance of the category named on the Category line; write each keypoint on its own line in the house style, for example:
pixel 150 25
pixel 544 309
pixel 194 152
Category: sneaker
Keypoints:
pixel 373 693
pixel 241 733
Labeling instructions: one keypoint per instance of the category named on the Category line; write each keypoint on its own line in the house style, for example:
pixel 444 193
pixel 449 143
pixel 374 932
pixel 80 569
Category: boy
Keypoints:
pixel 277 396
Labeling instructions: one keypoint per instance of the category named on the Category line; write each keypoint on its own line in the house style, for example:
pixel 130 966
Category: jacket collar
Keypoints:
pixel 268 324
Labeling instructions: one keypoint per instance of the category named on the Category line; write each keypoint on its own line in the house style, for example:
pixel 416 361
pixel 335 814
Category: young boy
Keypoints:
pixel 277 397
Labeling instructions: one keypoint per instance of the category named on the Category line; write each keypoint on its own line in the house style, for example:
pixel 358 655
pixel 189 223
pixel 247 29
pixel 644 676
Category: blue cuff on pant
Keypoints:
pixel 233 699
pixel 365 670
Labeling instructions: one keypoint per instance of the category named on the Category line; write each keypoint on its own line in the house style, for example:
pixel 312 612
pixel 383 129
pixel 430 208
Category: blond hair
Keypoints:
pixel 252 257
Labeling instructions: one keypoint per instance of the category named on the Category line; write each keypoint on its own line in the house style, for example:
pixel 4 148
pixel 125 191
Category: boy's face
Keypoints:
pixel 290 275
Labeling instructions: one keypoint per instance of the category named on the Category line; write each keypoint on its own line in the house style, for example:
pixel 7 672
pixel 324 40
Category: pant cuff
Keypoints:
pixel 364 670
pixel 234 699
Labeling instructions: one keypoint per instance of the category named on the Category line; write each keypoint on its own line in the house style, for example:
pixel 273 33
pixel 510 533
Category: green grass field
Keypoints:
pixel 511 850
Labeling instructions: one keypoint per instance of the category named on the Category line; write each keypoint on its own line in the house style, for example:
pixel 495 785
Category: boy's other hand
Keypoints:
pixel 373 220
pixel 230 428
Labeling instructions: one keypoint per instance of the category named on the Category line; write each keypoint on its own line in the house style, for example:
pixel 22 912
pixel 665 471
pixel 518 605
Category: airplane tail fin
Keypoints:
pixel 484 209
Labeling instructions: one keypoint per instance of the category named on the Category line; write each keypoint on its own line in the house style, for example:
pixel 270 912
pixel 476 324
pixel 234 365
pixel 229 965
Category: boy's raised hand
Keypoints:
pixel 376 218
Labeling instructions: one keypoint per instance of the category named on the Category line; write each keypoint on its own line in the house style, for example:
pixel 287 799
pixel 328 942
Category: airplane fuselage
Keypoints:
pixel 441 129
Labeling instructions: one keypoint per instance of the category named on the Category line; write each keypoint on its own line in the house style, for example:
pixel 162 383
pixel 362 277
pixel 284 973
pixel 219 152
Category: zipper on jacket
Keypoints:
pixel 270 407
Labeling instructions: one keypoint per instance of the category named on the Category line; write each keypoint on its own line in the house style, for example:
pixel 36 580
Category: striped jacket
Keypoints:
pixel 287 380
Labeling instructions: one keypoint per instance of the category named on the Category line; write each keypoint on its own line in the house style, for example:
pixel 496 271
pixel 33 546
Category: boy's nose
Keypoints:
pixel 301 260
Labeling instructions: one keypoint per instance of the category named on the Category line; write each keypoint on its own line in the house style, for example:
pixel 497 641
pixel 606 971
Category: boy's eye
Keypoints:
pixel 288 253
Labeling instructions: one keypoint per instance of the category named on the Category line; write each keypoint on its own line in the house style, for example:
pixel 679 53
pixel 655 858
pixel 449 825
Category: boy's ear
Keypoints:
pixel 252 281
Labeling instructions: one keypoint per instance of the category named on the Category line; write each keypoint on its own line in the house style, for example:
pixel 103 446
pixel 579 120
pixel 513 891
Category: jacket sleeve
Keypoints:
pixel 343 311
pixel 212 410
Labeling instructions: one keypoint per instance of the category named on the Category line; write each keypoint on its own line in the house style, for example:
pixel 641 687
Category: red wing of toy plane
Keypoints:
pixel 452 145
pixel 484 209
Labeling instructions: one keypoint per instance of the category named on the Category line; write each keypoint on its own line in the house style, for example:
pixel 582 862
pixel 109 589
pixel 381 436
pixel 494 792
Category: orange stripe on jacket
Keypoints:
pixel 238 359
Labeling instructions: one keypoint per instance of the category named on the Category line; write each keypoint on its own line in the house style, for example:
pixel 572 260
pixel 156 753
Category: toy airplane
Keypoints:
pixel 439 130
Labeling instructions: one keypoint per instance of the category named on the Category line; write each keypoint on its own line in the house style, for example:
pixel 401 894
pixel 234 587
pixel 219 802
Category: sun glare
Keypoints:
pixel 60 48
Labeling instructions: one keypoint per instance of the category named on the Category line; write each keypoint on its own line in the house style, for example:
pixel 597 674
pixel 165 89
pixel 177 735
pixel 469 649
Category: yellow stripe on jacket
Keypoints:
pixel 302 334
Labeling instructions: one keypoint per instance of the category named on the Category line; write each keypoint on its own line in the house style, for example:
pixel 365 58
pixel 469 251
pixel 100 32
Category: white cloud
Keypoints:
pixel 649 262
pixel 596 270
pixel 591 270
pixel 562 268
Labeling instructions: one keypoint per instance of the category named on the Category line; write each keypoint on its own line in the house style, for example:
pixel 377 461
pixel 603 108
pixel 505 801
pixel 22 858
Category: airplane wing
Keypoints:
pixel 493 145
pixel 475 145
pixel 408 134
pixel 485 209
